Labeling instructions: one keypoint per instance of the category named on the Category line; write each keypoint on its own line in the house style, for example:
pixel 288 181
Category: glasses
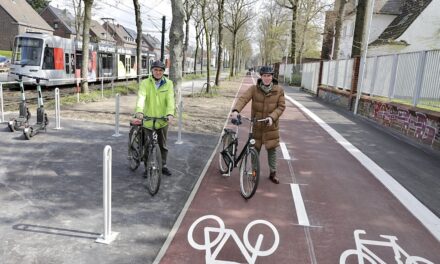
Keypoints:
pixel 157 70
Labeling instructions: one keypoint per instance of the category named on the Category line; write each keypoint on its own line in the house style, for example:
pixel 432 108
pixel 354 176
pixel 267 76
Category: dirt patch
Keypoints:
pixel 201 113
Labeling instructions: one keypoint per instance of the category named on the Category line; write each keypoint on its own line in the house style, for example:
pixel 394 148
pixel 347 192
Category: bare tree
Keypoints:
pixel 361 10
pixel 238 13
pixel 189 8
pixel 220 16
pixel 272 27
pixel 176 42
pixel 292 5
pixel 204 6
pixel 137 11
pixel 199 29
pixel 85 45
pixel 309 12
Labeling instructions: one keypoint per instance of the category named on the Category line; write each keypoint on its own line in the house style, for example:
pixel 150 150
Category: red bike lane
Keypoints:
pixel 334 196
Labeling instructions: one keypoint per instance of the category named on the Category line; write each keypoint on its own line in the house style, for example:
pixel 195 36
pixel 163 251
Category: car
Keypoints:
pixel 4 64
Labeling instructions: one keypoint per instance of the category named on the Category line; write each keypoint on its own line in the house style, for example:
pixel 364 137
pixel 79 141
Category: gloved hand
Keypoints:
pixel 234 114
pixel 139 115
pixel 269 121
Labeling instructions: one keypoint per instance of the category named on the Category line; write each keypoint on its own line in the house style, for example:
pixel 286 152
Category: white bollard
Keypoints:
pixel 2 117
pixel 108 236
pixel 116 134
pixel 57 109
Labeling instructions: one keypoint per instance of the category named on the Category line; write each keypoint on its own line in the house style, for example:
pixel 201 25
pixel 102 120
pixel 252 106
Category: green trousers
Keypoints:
pixel 271 159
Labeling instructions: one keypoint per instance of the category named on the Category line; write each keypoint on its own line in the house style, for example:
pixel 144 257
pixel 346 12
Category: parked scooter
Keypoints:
pixel 24 114
pixel 42 120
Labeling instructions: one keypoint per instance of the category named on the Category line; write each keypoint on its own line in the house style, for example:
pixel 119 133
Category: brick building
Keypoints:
pixel 18 17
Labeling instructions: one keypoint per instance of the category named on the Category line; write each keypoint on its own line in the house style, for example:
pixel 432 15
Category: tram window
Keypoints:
pixel 67 62
pixel 144 62
pixel 48 62
pixel 122 59
pixel 72 62
pixel 107 61
pixel 133 60
pixel 78 60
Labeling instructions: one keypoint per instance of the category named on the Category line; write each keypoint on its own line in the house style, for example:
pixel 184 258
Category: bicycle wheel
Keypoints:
pixel 154 169
pixel 134 151
pixel 204 89
pixel 225 155
pixel 354 256
pixel 249 173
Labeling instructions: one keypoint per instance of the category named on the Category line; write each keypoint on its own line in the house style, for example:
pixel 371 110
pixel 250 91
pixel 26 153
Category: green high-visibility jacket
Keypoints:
pixel 156 102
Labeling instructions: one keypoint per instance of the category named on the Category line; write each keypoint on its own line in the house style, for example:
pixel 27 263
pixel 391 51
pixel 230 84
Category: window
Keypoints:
pixel 48 61
pixel 67 62
pixel 55 25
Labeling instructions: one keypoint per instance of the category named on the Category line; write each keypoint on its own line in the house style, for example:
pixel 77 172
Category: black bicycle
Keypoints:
pixel 248 157
pixel 136 153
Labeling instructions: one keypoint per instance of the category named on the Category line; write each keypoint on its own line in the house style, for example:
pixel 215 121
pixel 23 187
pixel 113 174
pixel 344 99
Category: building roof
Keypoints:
pixel 152 41
pixel 65 17
pixel 24 14
pixel 410 11
pixel 100 32
pixel 121 32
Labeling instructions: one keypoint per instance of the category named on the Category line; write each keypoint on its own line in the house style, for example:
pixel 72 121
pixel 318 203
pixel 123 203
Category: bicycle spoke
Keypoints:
pixel 249 173
pixel 154 169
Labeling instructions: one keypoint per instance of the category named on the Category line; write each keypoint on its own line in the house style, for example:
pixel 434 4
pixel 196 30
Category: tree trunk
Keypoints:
pixel 221 9
pixel 359 28
pixel 208 52
pixel 338 29
pixel 85 45
pixel 232 62
pixel 293 31
pixel 176 43
pixel 137 10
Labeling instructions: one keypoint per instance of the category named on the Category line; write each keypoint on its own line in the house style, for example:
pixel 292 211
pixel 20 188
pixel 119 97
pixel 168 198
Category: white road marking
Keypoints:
pixel 285 151
pixel 303 219
pixel 419 210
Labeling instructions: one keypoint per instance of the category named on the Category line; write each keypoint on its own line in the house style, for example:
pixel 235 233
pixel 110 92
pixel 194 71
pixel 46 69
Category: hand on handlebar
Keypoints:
pixel 234 115
pixel 170 119
pixel 139 115
pixel 268 121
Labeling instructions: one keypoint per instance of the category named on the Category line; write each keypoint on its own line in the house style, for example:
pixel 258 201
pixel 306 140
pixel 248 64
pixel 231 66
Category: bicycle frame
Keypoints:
pixel 234 143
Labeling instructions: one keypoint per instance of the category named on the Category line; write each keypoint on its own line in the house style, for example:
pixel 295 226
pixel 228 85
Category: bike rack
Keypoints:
pixel 116 134
pixel 57 108
pixel 108 235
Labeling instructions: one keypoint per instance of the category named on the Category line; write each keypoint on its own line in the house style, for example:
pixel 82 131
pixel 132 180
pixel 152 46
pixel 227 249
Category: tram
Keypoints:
pixel 59 60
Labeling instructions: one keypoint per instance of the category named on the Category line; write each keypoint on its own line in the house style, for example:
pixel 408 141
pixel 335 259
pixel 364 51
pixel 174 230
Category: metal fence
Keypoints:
pixel 411 78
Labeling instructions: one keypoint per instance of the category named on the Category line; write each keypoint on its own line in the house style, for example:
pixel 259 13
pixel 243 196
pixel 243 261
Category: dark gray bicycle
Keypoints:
pixel 248 157
pixel 136 152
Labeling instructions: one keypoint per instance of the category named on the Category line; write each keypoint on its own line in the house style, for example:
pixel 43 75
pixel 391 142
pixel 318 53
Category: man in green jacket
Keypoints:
pixel 156 99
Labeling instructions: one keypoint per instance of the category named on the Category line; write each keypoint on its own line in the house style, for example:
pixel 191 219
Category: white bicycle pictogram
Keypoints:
pixel 223 236
pixel 365 255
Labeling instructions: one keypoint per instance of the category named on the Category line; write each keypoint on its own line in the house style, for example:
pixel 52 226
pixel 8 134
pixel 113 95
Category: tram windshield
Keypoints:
pixel 27 51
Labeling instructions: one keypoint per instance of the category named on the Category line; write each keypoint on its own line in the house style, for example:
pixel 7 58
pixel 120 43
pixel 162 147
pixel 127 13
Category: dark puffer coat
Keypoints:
pixel 264 105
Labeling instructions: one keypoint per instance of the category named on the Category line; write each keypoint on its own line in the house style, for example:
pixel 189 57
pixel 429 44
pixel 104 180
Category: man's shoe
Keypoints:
pixel 166 171
pixel 273 177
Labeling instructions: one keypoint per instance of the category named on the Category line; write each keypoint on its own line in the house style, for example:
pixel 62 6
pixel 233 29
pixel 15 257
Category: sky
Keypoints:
pixel 122 11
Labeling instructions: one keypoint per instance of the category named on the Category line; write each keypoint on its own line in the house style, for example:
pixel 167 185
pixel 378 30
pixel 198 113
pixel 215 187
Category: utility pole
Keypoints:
pixel 162 47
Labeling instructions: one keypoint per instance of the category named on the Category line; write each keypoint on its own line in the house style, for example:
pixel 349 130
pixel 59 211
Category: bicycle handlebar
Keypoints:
pixel 147 118
pixel 238 122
